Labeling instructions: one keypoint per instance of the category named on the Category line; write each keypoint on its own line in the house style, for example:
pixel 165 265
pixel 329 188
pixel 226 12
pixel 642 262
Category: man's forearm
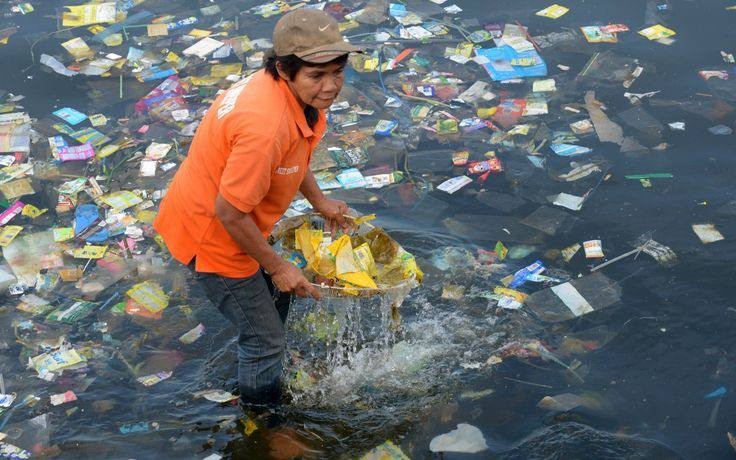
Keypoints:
pixel 311 190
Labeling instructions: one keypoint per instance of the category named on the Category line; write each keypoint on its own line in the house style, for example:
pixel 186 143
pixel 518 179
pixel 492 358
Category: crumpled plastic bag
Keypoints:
pixel 465 438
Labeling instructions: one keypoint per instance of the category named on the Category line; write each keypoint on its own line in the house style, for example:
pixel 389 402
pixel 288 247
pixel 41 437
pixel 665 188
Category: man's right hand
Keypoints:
pixel 288 278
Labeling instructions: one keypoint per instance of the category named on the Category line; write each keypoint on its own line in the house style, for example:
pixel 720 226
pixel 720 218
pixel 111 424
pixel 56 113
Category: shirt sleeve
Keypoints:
pixel 254 155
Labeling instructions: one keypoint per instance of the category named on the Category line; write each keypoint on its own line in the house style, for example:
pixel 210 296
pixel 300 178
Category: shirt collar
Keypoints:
pixel 296 110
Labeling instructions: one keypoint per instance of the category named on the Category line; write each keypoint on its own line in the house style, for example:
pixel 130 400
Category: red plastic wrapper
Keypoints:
pixel 614 28
pixel 509 111
pixel 168 92
pixel 492 165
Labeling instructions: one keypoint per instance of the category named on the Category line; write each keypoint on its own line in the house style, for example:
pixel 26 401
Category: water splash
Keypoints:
pixel 345 346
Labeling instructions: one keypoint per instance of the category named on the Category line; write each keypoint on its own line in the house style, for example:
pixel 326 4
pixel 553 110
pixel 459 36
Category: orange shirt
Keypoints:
pixel 253 147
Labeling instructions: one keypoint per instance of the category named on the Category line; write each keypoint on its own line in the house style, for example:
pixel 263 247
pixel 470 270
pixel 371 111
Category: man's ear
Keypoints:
pixel 281 72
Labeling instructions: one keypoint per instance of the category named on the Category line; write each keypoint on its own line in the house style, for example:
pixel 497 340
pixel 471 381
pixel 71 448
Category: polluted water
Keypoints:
pixel 544 267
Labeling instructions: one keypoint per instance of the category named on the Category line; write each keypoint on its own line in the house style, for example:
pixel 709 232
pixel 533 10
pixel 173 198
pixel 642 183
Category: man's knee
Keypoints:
pixel 264 342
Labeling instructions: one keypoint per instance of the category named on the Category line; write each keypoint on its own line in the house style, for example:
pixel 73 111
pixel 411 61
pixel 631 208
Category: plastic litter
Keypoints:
pixel 575 298
pixel 465 439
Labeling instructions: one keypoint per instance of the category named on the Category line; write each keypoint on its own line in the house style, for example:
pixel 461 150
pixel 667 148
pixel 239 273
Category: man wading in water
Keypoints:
pixel 247 161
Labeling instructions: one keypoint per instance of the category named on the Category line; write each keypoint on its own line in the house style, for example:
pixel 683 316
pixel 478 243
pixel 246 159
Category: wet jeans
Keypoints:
pixel 259 312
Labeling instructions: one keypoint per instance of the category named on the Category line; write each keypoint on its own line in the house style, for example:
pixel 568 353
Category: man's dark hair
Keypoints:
pixel 290 65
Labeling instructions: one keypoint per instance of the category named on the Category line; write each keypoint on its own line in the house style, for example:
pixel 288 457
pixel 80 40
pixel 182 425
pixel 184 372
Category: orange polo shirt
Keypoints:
pixel 253 147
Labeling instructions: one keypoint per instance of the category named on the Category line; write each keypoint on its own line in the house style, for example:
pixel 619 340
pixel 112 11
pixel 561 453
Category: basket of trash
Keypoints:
pixel 363 261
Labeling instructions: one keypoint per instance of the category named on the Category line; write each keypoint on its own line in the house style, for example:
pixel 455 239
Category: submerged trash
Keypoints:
pixel 578 297
pixel 707 233
pixel 465 438
pixel 386 451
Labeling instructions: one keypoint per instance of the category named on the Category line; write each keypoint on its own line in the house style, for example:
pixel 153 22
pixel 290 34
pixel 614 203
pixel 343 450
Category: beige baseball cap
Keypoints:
pixel 311 35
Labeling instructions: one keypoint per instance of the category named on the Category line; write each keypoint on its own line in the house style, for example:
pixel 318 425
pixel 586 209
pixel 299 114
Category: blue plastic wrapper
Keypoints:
pixel 501 68
pixel 156 73
pixel 397 10
pixel 70 115
pixel 566 150
pixel 190 21
pixel 384 127
pixel 522 275
pixel 140 427
pixel 296 259
pixel 85 216
pixel 717 393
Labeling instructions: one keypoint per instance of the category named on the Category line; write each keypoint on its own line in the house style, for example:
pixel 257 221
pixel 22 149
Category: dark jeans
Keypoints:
pixel 259 312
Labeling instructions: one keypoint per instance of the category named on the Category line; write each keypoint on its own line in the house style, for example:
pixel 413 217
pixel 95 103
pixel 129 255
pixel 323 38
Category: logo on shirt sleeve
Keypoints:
pixel 284 171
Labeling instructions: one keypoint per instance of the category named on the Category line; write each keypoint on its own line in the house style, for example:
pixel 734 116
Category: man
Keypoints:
pixel 247 161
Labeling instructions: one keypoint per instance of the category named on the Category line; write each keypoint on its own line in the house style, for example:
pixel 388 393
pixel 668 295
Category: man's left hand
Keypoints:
pixel 334 211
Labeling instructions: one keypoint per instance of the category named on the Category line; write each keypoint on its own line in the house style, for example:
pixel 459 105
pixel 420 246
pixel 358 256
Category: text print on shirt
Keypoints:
pixel 286 171
pixel 228 101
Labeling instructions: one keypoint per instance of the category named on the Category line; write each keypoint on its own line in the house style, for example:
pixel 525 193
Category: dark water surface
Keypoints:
pixel 645 364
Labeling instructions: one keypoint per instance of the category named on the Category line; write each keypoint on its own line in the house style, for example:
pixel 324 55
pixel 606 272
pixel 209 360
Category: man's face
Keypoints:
pixel 317 86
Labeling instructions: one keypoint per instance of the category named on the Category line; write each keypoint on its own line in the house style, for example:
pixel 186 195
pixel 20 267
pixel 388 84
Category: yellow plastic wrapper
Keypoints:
pixel 241 43
pixel 391 273
pixel 8 234
pixel 78 48
pixel 383 247
pixel 657 32
pixel 348 25
pixel 486 112
pixel 199 33
pixel 150 295
pixel 54 361
pixel 146 215
pixel 343 264
pixel 31 211
pixel 90 252
pixel 63 234
pixel 553 11
pixel 160 241
pixel 223 70
pixel 516 295
pixel 173 58
pixel 362 63
pixel 402 267
pixel 359 279
pixel 307 241
pixel 113 40
pixel 364 258
pixel 82 15
pixel 17 188
pixel 464 49
pixel 326 267
pixel 410 267
pixel 107 150
pixel 363 219
pixel 350 289
pixel 121 200
pixel 95 29
pixel 346 268
pixel 386 451
pixel 205 80
pixel 250 427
